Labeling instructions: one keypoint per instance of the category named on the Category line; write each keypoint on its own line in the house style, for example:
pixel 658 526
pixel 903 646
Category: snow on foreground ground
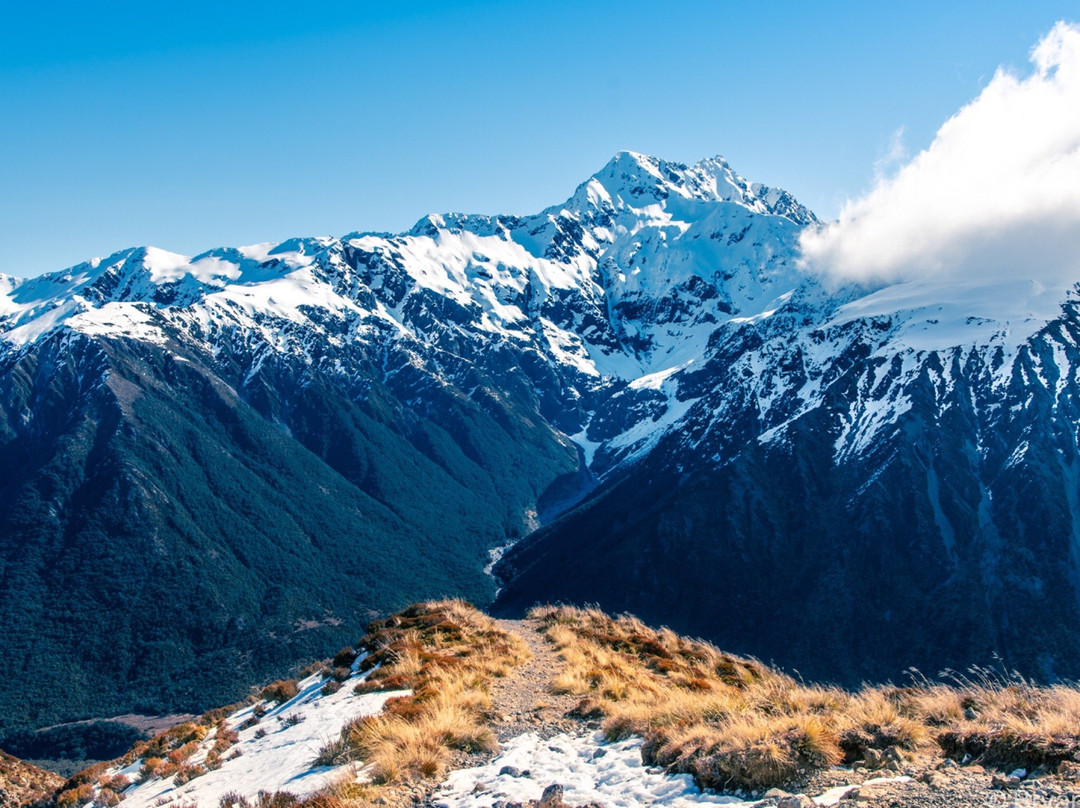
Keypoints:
pixel 589 770
pixel 276 754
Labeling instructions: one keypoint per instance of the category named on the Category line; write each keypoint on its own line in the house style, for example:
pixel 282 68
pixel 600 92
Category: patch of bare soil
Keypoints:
pixel 523 702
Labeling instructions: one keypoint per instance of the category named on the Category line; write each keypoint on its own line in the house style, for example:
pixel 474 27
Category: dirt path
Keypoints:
pixel 523 701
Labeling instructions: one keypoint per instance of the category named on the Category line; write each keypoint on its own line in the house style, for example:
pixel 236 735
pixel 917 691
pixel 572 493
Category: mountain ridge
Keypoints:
pixel 648 368
pixel 439 705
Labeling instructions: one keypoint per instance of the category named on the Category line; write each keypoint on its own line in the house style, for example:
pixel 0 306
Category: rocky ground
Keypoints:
pixel 935 781
pixel 522 702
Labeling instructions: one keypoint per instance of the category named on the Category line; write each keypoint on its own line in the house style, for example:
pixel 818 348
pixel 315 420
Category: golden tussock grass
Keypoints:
pixel 734 722
pixel 446 653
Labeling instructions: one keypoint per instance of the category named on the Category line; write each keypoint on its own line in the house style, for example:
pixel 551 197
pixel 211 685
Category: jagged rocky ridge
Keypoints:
pixel 847 480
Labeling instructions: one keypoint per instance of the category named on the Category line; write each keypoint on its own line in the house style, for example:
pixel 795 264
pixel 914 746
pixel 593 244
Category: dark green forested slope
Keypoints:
pixel 165 542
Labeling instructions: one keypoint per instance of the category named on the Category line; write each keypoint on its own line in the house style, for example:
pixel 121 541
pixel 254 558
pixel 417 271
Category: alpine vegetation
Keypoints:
pixel 428 708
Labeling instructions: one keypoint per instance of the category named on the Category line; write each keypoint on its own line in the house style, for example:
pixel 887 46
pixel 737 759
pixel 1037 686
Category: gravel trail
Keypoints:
pixel 522 701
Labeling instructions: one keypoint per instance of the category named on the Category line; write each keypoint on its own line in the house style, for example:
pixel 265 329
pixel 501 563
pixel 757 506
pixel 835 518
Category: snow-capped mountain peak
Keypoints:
pixel 636 181
pixel 655 335
pixel 650 271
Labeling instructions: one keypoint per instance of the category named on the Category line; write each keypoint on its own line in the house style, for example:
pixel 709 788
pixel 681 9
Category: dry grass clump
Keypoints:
pixel 1008 721
pixel 280 799
pixel 877 720
pixel 446 653
pixel 745 751
pixel 280 691
pixel 736 723
pixel 1000 719
pixel 730 722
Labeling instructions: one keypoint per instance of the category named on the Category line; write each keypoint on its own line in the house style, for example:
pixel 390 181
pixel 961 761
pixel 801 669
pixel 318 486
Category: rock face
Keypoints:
pixel 845 500
pixel 215 466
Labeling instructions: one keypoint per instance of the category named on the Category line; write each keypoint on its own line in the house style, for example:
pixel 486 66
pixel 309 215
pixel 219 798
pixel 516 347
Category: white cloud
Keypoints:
pixel 995 195
pixel 893 156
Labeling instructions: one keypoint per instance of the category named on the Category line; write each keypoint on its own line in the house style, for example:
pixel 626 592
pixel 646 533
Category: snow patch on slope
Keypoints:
pixel 119 320
pixel 280 760
pixel 588 769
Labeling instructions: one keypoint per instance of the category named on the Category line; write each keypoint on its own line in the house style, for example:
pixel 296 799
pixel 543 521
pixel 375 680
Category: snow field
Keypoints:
pixel 590 770
pixel 275 754
pixel 586 767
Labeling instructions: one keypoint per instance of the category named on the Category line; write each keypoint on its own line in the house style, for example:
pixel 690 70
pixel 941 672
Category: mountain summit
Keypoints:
pixel 215 466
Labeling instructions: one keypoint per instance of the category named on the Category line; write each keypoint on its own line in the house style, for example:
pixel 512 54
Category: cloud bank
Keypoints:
pixel 996 194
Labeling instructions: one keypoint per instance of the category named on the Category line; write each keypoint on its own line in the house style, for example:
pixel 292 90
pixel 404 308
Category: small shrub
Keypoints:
pixel 117 783
pixel 260 733
pixel 213 761
pixel 187 773
pixel 334 753
pixel 292 719
pixel 225 737
pixel 182 753
pixel 277 799
pixel 106 798
pixel 280 691
pixel 345 658
pixel 313 668
pixel 234 800
pixel 214 717
pixel 248 723
pixel 186 733
pixel 330 688
pixel 150 767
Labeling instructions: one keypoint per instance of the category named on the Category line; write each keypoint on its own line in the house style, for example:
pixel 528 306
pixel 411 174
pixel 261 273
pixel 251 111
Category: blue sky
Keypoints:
pixel 192 125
